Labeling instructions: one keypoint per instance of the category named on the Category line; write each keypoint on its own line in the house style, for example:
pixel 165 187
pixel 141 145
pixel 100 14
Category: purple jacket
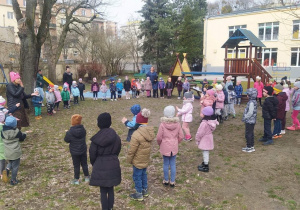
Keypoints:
pixel 204 137
pixel 96 85
pixel 161 85
pixel 186 111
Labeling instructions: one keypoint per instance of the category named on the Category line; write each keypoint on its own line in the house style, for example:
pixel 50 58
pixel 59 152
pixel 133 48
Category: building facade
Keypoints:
pixel 278 29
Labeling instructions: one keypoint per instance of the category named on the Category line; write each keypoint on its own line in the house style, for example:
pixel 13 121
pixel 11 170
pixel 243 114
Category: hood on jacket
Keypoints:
pixel 147 132
pixel 135 109
pixel 170 123
pixel 252 93
pixel 10 133
pixel 169 119
pixel 213 124
pixel 104 137
pixel 78 131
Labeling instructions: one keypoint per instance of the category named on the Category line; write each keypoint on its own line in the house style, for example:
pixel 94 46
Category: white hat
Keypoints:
pixel 285 86
pixel 219 87
pixel 169 111
pixel 258 77
pixel 2 100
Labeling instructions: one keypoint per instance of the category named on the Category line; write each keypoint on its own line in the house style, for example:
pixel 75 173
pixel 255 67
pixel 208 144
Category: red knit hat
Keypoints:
pixel 142 117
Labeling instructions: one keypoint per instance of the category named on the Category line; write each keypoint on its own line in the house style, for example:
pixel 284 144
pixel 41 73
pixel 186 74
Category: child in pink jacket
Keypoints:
pixel 207 100
pixel 168 137
pixel 259 86
pixel 204 136
pixel 220 98
pixel 57 97
pixel 187 114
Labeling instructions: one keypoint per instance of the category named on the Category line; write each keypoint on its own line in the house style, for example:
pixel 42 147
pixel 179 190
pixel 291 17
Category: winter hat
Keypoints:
pixel 74 83
pixel 142 117
pixel 188 95
pixel 142 80
pixel 50 86
pixel 169 111
pixel 65 86
pixel 219 87
pixel 229 77
pixel 297 84
pixel 94 79
pixel 135 109
pixel 210 92
pixel 55 87
pixel 230 87
pixel 238 82
pixel 2 116
pixel 258 77
pixel 208 111
pixel 36 90
pixel 160 78
pixel 278 88
pixel 205 80
pixel 2 101
pixel 269 90
pixel 285 86
pixel 104 120
pixel 76 119
pixel 119 80
pixel 80 80
pixel 11 121
pixel 14 76
pixel 103 81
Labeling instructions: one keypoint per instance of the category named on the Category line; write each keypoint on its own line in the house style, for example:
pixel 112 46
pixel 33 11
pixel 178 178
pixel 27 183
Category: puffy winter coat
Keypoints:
pixel 127 85
pixel 250 113
pixel 186 111
pixel 296 100
pixel 119 86
pixel 152 75
pixel 75 91
pixel 140 147
pixel 204 137
pixel 112 87
pixel 220 100
pixel 282 98
pixel 148 85
pixel 161 85
pixel 169 136
pixel 95 87
pixel 207 100
pixel 169 85
pixel 36 101
pixel 103 88
pixel 259 86
pixel 186 86
pixel 227 84
pixel 155 85
pixel 57 96
pixel 50 97
pixel 65 95
pixel 179 84
pixel 67 77
pixel 238 89
pixel 269 109
pixel 138 85
pixel 288 93
pixel 81 86
pixel 104 151
pixel 76 138
pixel 39 80
pixel 15 94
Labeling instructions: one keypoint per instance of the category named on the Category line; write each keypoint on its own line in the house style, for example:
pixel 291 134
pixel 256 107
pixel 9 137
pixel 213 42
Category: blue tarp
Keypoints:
pixel 145 69
pixel 90 94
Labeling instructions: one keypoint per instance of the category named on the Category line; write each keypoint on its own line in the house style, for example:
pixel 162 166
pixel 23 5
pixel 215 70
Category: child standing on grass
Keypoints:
pixel 282 98
pixel 179 84
pixel 139 154
pixel 143 87
pixel 133 88
pixel 103 90
pixel 288 92
pixel 228 82
pixel 204 137
pixel 119 88
pixel 57 97
pixel 169 87
pixel 104 151
pixel 75 92
pixel 259 86
pixel 249 118
pixel 127 87
pixel 50 98
pixel 231 99
pixel 296 107
pixel 37 101
pixel 148 87
pixel 81 87
pixel 3 174
pixel 76 137
pixel 186 86
pixel 187 114
pixel 138 88
pixel 269 113
pixel 11 137
pixel 238 89
pixel 113 89
pixel 161 86
pixel 132 125
pixel 155 88
pixel 95 88
pixel 65 96
pixel 168 137
pixel 208 100
pixel 220 98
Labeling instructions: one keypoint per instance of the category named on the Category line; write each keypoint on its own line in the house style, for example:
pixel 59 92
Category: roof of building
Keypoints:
pixel 7 35
pixel 242 35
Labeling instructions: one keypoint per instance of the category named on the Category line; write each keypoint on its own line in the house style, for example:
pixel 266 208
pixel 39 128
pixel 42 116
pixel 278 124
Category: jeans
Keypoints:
pixel 119 93
pixel 267 129
pixel 81 96
pixel 170 161
pixel 107 197
pixel 140 179
pixel 95 94
pixel 130 132
pixel 133 92
pixel 13 165
pixel 77 161
pixel 37 110
pixel 113 95
pixel 277 127
pixel 294 117
pixel 249 134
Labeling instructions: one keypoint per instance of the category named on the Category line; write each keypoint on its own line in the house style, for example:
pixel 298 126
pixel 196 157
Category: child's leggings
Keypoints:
pixel 38 112
pixel 185 127
pixel 113 95
pixel 57 104
pixel 103 95
pixel 161 92
pixel 148 93
pixel 95 94
pixel 294 117
pixel 107 197
pixel 2 166
pixel 205 156
pixel 169 91
pixel 119 93
pixel 127 94
pixel 66 103
pixel 13 165
pixel 137 93
pixel 81 96
pixel 50 108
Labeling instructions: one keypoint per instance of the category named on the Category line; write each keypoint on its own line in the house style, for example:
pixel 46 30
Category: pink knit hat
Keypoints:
pixel 14 76
pixel 210 92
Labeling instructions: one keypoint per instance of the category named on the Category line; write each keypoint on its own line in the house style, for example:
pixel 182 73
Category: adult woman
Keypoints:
pixel 259 86
pixel 15 94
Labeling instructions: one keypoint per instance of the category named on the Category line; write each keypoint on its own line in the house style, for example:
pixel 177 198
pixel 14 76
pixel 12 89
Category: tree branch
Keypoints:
pixel 17 10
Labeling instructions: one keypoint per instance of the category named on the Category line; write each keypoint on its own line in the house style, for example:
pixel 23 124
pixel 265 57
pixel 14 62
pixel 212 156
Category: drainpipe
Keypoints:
pixel 206 21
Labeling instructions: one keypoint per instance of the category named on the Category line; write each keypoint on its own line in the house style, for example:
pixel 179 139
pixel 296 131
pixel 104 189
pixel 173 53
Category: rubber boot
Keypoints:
pixel 203 168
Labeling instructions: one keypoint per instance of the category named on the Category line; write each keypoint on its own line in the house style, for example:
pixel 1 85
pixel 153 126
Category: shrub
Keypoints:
pixel 94 70
pixel 81 71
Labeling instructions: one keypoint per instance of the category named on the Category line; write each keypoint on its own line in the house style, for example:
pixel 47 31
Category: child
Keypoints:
pixel 95 88
pixel 139 154
pixel 131 125
pixel 168 137
pixel 50 98
pixel 104 151
pixel 282 98
pixel 214 84
pixel 296 107
pixel 259 86
pixel 81 87
pixel 119 88
pixel 186 86
pixel 231 99
pixel 169 87
pixel 148 87
pixel 204 85
pixel 161 86
pixel 249 118
pixel 269 113
pixel 143 87
pixel 11 137
pixel 238 89
pixel 288 92
pixel 113 89
pixel 187 114
pixel 76 138
pixel 224 111
pixel 179 84
pixel 57 97
pixel 155 88
pixel 220 98
pixel 204 137
pixel 127 87
pixel 37 101
pixel 104 90
pixel 208 100
pixel 138 88
pixel 65 96
pixel 133 88
pixel 3 174
pixel 75 92
pixel 228 82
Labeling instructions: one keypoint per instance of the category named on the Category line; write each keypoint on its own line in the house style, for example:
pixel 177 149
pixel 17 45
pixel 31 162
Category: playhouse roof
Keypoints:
pixel 242 35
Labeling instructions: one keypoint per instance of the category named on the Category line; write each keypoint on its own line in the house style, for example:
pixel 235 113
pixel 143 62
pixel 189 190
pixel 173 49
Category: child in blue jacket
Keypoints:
pixel 238 89
pixel 75 92
pixel 37 101
pixel 161 86
pixel 155 88
pixel 120 88
pixel 132 125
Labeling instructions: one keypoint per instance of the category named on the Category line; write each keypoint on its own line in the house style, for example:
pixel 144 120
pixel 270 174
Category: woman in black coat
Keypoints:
pixel 104 151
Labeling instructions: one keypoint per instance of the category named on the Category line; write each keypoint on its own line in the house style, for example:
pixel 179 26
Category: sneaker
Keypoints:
pixel 262 139
pixel 275 136
pixel 172 184
pixel 166 183
pixel 188 138
pixel 5 176
pixel 87 179
pixel 37 118
pixel 145 193
pixel 75 182
pixel 291 128
pixel 179 98
pixel 40 117
pixel 14 182
pixel 248 149
pixel 268 142
pixel 233 116
pixel 115 99
pixel 112 99
pixel 282 132
pixel 137 196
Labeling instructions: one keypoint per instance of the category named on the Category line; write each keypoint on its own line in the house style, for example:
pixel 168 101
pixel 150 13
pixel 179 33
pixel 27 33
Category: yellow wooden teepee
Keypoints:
pixel 185 65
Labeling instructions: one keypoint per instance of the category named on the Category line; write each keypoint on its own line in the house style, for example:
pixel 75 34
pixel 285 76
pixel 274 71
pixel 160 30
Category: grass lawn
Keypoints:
pixel 266 179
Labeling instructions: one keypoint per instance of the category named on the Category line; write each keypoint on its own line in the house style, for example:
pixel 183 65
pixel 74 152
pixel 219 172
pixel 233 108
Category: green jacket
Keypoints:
pixel 39 80
pixel 2 156
pixel 65 95
pixel 11 139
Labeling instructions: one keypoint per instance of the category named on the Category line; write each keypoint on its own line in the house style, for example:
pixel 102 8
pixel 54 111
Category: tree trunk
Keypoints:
pixel 51 65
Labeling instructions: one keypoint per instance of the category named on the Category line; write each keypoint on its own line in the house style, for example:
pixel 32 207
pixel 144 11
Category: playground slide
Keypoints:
pixel 49 82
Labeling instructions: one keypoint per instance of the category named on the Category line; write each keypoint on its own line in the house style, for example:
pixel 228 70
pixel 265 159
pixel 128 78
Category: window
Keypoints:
pixel 296 26
pixel 295 58
pixel 63 21
pixel 241 53
pixel 232 29
pixel 83 12
pixel 24 3
pixel 9 2
pixel 10 15
pixel 268 31
pixel 75 53
pixel 269 57
pixel 63 11
pixel 75 13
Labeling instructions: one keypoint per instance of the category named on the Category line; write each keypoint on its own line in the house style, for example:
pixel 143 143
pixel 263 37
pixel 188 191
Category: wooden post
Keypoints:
pixel 236 51
pixel 226 63
pixel 255 56
pixel 250 65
